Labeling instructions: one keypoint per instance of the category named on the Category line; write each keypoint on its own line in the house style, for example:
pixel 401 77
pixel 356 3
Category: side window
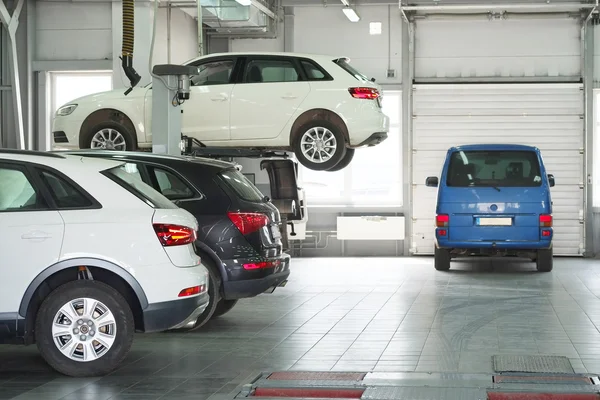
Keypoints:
pixel 313 73
pixel 17 193
pixel 214 73
pixel 171 186
pixel 270 71
pixel 64 193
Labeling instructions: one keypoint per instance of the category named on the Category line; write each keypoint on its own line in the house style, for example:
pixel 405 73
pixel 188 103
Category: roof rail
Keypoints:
pixel 31 153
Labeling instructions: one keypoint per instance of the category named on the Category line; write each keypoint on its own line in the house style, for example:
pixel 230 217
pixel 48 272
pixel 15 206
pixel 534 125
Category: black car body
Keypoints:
pixel 239 235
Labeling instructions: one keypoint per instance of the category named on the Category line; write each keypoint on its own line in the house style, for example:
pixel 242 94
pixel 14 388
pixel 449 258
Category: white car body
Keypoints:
pixel 114 237
pixel 242 114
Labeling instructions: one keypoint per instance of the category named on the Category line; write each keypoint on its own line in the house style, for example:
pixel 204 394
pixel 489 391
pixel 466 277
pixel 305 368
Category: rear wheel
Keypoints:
pixel 442 259
pixel 224 307
pixel 544 260
pixel 345 161
pixel 320 145
pixel 214 296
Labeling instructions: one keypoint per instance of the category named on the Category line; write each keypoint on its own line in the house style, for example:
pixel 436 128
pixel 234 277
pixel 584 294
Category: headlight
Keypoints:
pixel 66 110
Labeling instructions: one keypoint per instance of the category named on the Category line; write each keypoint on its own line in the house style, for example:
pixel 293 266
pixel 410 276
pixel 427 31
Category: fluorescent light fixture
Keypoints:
pixel 346 3
pixel 375 28
pixel 244 2
pixel 351 14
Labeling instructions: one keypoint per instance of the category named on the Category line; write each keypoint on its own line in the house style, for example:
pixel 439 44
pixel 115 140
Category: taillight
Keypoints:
pixel 262 264
pixel 248 222
pixel 441 220
pixel 174 235
pixel 442 232
pixel 546 220
pixel 191 291
pixel 364 93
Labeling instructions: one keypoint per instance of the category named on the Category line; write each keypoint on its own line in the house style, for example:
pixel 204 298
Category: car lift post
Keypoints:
pixel 170 88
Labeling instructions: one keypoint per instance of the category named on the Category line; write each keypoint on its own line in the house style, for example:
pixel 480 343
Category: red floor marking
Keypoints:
pixel 316 376
pixel 311 393
pixel 541 396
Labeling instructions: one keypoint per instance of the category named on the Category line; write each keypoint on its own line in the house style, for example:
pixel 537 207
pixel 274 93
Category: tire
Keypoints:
pixel 214 295
pixel 106 298
pixel 320 128
pixel 345 161
pixel 224 307
pixel 110 129
pixel 441 259
pixel 544 261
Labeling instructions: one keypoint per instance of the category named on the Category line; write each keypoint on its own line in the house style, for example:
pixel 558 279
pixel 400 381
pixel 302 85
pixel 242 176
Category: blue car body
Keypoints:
pixel 493 200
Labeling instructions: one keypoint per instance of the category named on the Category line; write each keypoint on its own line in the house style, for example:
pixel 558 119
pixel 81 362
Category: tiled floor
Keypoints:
pixel 354 315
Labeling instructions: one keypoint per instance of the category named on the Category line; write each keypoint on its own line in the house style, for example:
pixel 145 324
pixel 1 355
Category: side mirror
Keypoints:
pixel 551 180
pixel 432 181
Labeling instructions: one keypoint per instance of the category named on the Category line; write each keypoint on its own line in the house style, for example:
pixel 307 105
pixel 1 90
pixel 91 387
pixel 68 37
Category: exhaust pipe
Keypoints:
pixel 127 48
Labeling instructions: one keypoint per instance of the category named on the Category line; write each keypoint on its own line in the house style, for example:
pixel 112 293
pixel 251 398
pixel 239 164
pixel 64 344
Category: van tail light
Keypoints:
pixel 441 220
pixel 546 220
pixel 364 93
pixel 248 222
pixel 174 235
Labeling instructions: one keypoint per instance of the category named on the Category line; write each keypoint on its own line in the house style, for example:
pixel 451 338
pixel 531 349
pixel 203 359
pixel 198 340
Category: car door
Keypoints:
pixel 271 90
pixel 206 113
pixel 31 232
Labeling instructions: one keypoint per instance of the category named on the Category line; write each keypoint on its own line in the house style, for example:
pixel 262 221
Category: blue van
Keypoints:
pixel 493 200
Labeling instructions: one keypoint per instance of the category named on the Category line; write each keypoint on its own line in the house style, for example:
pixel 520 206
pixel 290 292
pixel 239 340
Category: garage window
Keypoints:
pixel 67 86
pixel 373 178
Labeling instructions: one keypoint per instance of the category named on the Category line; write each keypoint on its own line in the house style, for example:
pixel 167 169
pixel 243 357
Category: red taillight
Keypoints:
pixel 442 232
pixel 441 220
pixel 248 222
pixel 191 291
pixel 546 233
pixel 364 93
pixel 263 264
pixel 174 235
pixel 546 220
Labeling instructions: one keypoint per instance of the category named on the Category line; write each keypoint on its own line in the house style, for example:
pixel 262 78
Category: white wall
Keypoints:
pixel 242 45
pixel 184 37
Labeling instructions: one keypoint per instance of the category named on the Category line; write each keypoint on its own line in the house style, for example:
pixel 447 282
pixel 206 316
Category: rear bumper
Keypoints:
pixel 373 140
pixel 499 245
pixel 252 283
pixel 174 314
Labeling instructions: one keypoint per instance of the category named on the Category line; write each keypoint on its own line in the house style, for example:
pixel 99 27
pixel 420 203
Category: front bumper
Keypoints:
pixel 174 314
pixel 243 284
pixel 65 132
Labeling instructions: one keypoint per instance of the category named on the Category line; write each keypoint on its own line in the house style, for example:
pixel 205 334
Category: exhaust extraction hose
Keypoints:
pixel 127 48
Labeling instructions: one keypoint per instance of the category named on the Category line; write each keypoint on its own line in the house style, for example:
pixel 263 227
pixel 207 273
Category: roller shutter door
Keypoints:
pixel 549 116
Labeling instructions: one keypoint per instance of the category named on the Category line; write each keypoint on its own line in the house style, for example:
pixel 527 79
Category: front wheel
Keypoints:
pixel 84 328
pixel 544 260
pixel 442 259
pixel 320 145
pixel 109 135
pixel 224 307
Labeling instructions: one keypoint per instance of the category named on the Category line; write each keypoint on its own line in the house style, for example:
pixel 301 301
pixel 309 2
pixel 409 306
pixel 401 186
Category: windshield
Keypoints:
pixel 345 65
pixel 242 186
pixel 494 169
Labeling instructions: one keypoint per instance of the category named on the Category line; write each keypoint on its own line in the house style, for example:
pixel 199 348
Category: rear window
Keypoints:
pixel 128 176
pixel 242 186
pixel 345 65
pixel 494 169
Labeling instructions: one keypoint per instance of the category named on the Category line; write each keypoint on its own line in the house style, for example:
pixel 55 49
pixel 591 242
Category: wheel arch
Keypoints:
pixel 318 114
pixel 207 252
pixel 104 115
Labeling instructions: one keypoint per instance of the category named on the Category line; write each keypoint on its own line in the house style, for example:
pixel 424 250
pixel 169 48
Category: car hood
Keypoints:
pixel 110 95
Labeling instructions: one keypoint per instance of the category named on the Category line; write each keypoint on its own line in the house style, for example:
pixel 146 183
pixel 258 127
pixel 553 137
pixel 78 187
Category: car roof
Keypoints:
pixel 494 146
pixel 269 53
pixel 62 162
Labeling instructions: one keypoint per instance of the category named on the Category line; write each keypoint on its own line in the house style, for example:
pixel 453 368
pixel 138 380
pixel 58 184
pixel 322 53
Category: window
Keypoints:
pixel 213 73
pixel 494 169
pixel 235 180
pixel 313 73
pixel 172 187
pixel 270 71
pixel 373 178
pixel 64 194
pixel 128 176
pixel 17 192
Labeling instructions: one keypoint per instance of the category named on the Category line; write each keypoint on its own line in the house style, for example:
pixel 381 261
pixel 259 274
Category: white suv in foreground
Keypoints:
pixel 89 255
pixel 320 107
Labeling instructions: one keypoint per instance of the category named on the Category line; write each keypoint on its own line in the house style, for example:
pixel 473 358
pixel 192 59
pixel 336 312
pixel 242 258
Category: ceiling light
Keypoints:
pixel 346 3
pixel 351 14
pixel 244 2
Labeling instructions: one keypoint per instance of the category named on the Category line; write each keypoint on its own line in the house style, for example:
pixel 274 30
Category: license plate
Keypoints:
pixel 494 221
pixel 275 232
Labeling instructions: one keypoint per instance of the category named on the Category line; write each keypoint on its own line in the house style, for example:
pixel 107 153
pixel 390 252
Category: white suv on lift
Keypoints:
pixel 320 107
pixel 89 255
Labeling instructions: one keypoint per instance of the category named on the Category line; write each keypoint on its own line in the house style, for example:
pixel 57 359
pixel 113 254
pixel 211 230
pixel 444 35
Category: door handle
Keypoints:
pixel 289 97
pixel 36 235
pixel 220 98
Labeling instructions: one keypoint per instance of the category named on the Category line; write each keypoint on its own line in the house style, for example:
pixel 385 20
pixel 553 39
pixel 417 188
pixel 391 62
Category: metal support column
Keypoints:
pixel 408 65
pixel 11 23
pixel 587 37
pixel 288 29
pixel 200 30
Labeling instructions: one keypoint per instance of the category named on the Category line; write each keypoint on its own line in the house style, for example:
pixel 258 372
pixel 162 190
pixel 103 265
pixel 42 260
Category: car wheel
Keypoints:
pixel 442 259
pixel 345 161
pixel 84 328
pixel 109 136
pixel 224 307
pixel 320 145
pixel 544 260
pixel 214 296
